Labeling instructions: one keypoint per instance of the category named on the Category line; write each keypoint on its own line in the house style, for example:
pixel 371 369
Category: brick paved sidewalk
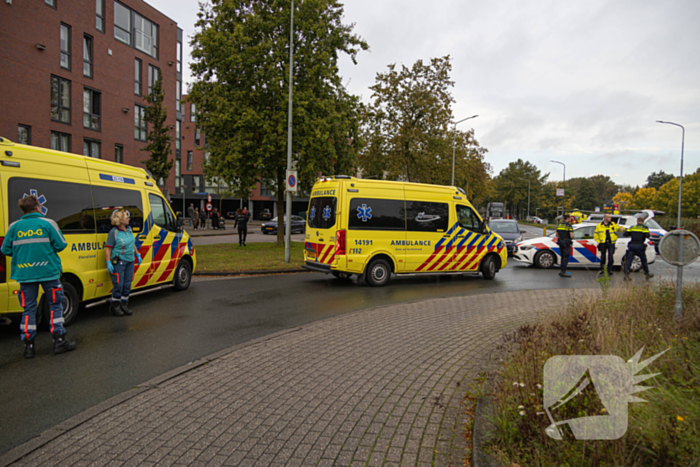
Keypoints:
pixel 375 387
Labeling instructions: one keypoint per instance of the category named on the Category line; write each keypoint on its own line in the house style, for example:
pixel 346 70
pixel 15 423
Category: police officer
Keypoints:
pixel 606 236
pixel 565 234
pixel 33 243
pixel 241 221
pixel 637 247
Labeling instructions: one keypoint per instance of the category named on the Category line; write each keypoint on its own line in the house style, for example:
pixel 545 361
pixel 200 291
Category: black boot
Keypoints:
pixel 62 344
pixel 648 275
pixel 115 309
pixel 29 350
pixel 125 308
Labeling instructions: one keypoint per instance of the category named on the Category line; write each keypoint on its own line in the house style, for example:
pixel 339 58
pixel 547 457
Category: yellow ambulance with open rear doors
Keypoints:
pixel 375 228
pixel 80 194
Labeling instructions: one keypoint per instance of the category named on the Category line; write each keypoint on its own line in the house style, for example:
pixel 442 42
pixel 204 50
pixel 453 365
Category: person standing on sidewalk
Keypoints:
pixel 196 218
pixel 637 247
pixel 190 213
pixel 606 236
pixel 34 242
pixel 565 235
pixel 203 219
pixel 241 221
pixel 120 253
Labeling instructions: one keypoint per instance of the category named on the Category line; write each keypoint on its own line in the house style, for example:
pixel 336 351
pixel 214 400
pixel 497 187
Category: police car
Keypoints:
pixel 543 252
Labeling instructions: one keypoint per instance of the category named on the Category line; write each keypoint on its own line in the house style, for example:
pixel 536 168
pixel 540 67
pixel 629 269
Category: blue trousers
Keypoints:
pixel 121 280
pixel 28 293
pixel 565 253
pixel 636 250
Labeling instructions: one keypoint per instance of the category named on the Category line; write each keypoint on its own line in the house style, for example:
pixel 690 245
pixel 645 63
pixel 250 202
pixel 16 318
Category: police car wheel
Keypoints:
pixel 544 259
pixel 636 265
pixel 378 273
pixel 183 275
pixel 488 268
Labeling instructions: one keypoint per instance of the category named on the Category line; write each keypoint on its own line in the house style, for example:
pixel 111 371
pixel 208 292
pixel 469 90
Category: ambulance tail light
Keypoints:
pixel 340 242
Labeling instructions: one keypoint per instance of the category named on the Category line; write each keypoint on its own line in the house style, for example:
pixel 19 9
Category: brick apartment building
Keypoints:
pixel 75 73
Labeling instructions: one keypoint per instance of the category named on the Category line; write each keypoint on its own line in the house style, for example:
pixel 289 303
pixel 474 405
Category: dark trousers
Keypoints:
pixel 607 249
pixel 242 234
pixel 636 250
pixel 28 293
pixel 565 252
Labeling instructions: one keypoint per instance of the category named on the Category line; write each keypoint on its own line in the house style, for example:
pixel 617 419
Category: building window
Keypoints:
pixel 177 173
pixel 197 136
pixel 60 141
pixel 137 76
pixel 51 3
pixel 179 57
pixel 195 182
pixel 193 113
pixel 91 109
pixel 189 160
pixel 178 93
pixel 178 133
pixel 87 56
pixel 65 46
pixel 140 127
pixel 135 30
pixel 91 148
pixel 100 15
pixel 25 134
pixel 153 73
pixel 119 153
pixel 60 100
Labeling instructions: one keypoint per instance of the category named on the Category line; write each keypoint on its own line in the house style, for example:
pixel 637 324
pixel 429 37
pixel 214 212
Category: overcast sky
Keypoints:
pixel 579 82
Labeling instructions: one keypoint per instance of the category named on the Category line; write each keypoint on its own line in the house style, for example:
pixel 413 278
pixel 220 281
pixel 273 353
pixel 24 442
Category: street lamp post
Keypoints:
pixel 528 195
pixel 563 197
pixel 288 208
pixel 678 309
pixel 454 139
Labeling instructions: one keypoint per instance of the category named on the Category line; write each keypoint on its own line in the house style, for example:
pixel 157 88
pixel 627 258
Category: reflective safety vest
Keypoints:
pixel 563 232
pixel 601 230
pixel 639 234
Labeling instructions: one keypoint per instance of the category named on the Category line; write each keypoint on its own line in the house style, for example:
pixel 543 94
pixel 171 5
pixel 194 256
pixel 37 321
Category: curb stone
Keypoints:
pixel 484 428
pixel 248 273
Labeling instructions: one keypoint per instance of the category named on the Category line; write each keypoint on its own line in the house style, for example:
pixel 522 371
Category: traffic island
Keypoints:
pixel 537 414
pixel 260 258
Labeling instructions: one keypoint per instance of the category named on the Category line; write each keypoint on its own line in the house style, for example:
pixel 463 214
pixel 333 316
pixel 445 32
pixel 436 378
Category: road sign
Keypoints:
pixel 597 209
pixel 560 192
pixel 209 198
pixel 292 181
pixel 668 248
pixel 209 207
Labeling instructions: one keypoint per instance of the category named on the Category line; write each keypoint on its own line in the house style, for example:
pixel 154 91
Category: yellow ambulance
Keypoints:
pixel 373 228
pixel 80 194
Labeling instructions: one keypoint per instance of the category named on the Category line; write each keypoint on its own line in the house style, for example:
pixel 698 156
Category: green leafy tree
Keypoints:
pixel 644 198
pixel 241 69
pixel 586 198
pixel 667 197
pixel 511 188
pixel 657 179
pixel 158 147
pixel 409 133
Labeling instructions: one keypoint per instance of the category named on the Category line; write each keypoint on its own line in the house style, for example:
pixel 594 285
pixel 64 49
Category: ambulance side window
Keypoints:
pixel 321 214
pixel 107 199
pixel 468 219
pixel 422 216
pixel 377 214
pixel 69 204
pixel 162 217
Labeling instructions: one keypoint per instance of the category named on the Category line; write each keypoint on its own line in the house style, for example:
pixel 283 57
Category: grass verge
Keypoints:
pixel 664 431
pixel 254 257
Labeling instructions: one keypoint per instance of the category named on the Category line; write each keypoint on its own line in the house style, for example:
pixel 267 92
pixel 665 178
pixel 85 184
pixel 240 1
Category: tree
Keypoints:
pixel 241 70
pixel 667 197
pixel 158 163
pixel 511 187
pixel 409 133
pixel 604 188
pixel 657 179
pixel 644 198
pixel 623 199
pixel 586 198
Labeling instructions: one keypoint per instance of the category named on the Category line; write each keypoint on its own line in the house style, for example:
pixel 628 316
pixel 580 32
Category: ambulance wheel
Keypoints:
pixel 341 275
pixel 488 268
pixel 183 275
pixel 545 259
pixel 378 273
pixel 71 304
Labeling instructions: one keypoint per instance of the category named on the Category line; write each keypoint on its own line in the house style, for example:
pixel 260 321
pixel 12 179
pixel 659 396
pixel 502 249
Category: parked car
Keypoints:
pixel 509 231
pixel 265 215
pixel 298 226
pixel 543 252
pixel 628 220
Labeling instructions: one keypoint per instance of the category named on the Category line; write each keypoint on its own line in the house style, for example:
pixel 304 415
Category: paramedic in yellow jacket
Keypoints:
pixel 606 236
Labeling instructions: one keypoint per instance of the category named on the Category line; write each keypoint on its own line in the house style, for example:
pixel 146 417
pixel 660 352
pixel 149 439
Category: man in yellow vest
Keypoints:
pixel 606 236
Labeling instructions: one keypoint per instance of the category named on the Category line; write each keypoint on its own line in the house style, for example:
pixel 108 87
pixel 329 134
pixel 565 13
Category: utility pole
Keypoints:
pixel 563 198
pixel 288 208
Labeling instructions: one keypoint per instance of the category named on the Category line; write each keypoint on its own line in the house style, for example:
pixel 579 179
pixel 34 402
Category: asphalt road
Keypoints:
pixel 170 329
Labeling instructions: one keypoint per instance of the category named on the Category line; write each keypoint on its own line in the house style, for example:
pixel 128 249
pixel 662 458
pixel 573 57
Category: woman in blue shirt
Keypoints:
pixel 120 253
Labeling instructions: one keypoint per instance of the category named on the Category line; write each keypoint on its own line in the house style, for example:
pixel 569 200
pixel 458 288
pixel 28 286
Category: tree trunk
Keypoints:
pixel 280 210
